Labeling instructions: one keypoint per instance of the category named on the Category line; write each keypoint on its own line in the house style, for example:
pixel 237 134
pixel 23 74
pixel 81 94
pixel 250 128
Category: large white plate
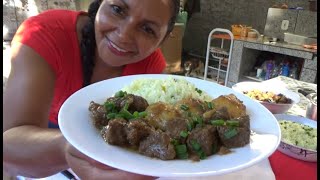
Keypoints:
pixel 76 126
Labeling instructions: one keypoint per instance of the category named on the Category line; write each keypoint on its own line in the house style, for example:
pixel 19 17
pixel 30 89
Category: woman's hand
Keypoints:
pixel 87 168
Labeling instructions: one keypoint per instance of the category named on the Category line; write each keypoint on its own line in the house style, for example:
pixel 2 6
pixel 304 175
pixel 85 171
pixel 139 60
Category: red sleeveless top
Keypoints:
pixel 52 34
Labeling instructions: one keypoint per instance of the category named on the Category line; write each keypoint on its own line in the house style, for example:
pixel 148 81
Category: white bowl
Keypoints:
pixel 275 108
pixel 296 151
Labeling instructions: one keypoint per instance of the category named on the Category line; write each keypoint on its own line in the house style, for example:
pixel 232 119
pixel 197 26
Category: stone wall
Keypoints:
pixel 16 11
pixel 224 13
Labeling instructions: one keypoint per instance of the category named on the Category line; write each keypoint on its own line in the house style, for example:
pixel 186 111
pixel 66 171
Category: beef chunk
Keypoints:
pixel 242 133
pixel 115 132
pixel 137 130
pixel 136 103
pixel 241 138
pixel 98 115
pixel 174 127
pixel 205 136
pixel 158 145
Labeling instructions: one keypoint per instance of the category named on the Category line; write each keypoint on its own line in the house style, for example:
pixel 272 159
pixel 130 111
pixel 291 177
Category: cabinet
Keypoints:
pixel 217 67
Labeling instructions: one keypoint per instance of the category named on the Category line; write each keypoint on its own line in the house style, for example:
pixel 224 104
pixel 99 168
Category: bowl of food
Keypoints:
pixel 277 100
pixel 299 137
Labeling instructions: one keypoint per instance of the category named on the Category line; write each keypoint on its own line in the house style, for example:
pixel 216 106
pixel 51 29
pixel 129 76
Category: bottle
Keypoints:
pixel 269 70
pixel 294 72
pixel 285 70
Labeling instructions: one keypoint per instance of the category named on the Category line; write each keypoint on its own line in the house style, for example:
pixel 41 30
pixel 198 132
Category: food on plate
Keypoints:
pixel 169 90
pixel 268 96
pixel 298 134
pixel 186 128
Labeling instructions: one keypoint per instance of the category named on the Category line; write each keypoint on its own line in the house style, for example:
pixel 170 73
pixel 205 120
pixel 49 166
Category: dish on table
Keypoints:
pixel 84 136
pixel 277 100
pixel 300 143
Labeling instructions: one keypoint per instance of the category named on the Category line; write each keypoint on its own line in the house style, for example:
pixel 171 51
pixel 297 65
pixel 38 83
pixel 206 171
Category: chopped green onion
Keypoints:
pixel 109 106
pixel 119 116
pixel 201 154
pixel 233 123
pixel 111 115
pixel 184 107
pixel 120 94
pixel 217 122
pixel 230 133
pixel 190 126
pixel 126 106
pixel 210 105
pixel 195 145
pixel 198 90
pixel 136 114
pixel 174 142
pixel 126 114
pixel 181 151
pixel 197 120
pixel 143 114
pixel 184 134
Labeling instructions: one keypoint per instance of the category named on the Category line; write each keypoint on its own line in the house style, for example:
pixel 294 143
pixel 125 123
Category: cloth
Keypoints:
pixel 286 167
pixel 261 170
pixel 52 34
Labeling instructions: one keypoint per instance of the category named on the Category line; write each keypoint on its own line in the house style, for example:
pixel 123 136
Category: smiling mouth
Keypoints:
pixel 117 48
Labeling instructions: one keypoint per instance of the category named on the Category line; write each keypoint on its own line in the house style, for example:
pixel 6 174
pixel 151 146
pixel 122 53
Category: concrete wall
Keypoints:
pixel 224 13
pixel 16 11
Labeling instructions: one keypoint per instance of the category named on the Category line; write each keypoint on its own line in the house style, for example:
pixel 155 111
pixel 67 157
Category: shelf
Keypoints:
pixel 217 69
pixel 245 78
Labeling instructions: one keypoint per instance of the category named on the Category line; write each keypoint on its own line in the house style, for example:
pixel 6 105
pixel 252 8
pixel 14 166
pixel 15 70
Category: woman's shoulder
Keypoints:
pixel 55 18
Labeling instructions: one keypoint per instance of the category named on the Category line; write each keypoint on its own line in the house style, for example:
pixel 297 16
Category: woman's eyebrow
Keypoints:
pixel 125 4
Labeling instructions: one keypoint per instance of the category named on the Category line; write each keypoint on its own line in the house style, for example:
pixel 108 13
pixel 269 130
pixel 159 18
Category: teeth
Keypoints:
pixel 116 47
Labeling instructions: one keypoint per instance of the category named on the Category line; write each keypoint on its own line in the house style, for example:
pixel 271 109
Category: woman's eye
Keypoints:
pixel 117 10
pixel 148 30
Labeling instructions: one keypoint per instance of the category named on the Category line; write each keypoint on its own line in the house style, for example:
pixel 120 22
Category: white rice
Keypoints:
pixel 298 134
pixel 169 90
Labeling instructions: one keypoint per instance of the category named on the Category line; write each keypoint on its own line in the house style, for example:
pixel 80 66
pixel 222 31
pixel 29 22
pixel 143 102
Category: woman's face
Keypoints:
pixel 128 31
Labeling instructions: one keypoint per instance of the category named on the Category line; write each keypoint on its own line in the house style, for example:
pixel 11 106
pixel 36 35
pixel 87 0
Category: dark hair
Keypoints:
pixel 88 42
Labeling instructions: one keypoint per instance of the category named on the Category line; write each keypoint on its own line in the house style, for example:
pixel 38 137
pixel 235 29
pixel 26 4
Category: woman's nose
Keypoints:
pixel 126 31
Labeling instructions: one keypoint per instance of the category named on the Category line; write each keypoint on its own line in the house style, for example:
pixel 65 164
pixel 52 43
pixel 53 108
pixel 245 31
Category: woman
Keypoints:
pixel 58 52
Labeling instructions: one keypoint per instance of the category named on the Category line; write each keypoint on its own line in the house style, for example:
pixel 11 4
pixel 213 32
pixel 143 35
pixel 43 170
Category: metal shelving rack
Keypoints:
pixel 219 55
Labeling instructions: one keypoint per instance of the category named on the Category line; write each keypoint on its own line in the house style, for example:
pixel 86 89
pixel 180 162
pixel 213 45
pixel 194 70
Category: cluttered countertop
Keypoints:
pixel 280 44
pixel 266 41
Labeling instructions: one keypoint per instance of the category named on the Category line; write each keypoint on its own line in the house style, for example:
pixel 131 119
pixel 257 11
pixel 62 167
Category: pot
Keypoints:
pixel 311 111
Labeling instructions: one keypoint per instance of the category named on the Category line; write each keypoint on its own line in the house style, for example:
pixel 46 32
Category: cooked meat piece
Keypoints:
pixel 205 136
pixel 241 137
pixel 98 115
pixel 115 132
pixel 221 113
pixel 137 130
pixel 235 107
pixel 158 114
pixel 195 107
pixel 244 121
pixel 139 104
pixel 174 127
pixel 158 145
pixel 136 103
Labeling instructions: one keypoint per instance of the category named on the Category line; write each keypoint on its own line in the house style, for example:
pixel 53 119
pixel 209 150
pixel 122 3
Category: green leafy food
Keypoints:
pixel 219 122
pixel 230 133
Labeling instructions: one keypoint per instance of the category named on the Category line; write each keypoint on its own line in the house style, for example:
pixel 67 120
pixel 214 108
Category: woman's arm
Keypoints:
pixel 30 148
